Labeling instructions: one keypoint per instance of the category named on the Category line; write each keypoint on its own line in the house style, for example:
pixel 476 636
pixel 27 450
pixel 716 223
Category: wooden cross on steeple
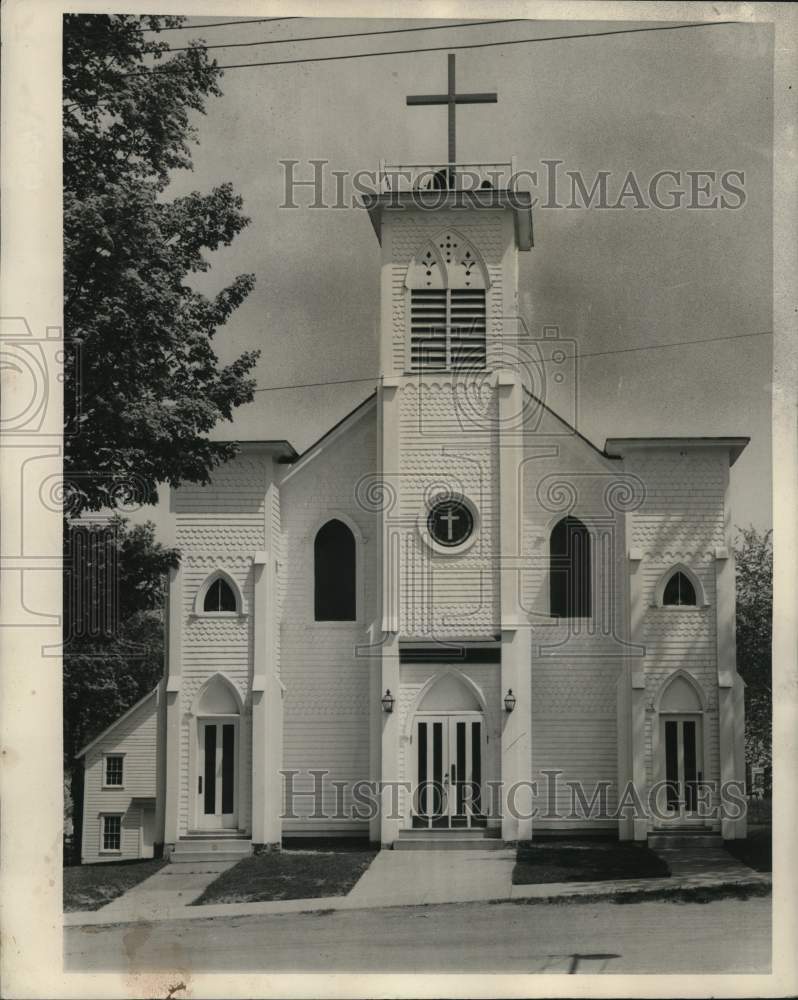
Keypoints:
pixel 451 99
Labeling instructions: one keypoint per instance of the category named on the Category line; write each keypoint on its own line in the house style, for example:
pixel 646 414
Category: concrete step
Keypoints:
pixel 200 857
pixel 215 835
pixel 679 840
pixel 462 844
pixel 474 833
pixel 475 839
pixel 216 849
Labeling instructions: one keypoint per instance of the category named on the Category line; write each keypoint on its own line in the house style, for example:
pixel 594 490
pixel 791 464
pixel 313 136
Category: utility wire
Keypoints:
pixel 353 34
pixel 567 357
pixel 472 45
pixel 219 24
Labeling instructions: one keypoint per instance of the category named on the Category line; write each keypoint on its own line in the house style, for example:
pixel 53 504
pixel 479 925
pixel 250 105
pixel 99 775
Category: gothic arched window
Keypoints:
pixel 219 597
pixel 335 573
pixel 569 570
pixel 679 590
pixel 448 285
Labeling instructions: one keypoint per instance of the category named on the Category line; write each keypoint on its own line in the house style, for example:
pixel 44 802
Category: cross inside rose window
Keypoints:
pixel 450 522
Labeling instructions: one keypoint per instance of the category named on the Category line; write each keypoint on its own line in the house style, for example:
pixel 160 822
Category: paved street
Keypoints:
pixel 723 936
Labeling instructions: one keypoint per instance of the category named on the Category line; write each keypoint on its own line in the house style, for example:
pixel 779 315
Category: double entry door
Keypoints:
pixel 682 748
pixel 449 755
pixel 216 774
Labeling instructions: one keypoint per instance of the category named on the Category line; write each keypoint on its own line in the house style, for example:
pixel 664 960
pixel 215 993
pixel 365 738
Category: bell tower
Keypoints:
pixel 450 234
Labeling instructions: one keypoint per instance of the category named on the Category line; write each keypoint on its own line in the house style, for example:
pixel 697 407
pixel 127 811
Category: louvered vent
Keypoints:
pixel 447 329
pixel 428 330
pixel 467 328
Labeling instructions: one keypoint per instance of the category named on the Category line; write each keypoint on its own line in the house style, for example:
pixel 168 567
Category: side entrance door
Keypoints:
pixel 216 775
pixel 682 747
pixel 449 754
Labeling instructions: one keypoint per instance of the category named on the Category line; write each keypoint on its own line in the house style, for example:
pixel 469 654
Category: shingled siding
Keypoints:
pixel 135 737
pixel 326 707
pixel 681 521
pixel 219 527
pixel 409 233
pixel 446 595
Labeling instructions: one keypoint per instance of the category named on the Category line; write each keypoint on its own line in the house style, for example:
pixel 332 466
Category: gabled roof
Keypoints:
pixel 346 421
pixel 570 426
pixel 113 725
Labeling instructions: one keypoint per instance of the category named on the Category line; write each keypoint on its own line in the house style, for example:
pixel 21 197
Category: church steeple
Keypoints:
pixel 450 234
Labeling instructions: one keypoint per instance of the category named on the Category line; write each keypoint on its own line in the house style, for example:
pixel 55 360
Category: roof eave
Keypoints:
pixel 734 445
pixel 519 202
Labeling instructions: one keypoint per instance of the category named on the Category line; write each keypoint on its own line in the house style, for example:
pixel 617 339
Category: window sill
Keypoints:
pixel 116 852
pixel 337 624
pixel 218 614
pixel 113 788
pixel 408 373
pixel 679 607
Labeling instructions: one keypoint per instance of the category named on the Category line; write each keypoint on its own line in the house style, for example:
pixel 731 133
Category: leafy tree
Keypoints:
pixel 144 385
pixel 754 556
pixel 114 649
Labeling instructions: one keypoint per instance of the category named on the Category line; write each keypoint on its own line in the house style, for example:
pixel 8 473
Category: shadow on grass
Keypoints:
pixel 304 869
pixel 756 851
pixel 88 887
pixel 585 860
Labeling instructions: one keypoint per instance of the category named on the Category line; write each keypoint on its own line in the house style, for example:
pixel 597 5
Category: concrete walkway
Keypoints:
pixel 170 889
pixel 395 878
pixel 684 861
pixel 413 878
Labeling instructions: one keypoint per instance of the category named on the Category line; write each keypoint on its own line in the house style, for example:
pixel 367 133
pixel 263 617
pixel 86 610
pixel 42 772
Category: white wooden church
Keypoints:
pixel 453 609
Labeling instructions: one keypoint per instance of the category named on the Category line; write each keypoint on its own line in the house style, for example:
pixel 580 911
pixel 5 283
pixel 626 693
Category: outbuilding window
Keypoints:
pixel 112 832
pixel 114 770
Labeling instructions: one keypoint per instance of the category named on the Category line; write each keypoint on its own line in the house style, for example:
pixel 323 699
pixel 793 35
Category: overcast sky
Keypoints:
pixel 691 99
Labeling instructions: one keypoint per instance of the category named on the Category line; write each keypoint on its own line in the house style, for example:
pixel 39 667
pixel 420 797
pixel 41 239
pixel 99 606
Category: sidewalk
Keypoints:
pixel 395 878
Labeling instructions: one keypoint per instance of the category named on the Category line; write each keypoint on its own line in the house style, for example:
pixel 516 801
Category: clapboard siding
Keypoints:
pixel 581 749
pixel 325 704
pixel 135 737
pixel 682 520
pixel 219 526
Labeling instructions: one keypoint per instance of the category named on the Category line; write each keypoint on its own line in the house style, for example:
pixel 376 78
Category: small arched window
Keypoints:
pixel 335 598
pixel 569 570
pixel 679 590
pixel 219 597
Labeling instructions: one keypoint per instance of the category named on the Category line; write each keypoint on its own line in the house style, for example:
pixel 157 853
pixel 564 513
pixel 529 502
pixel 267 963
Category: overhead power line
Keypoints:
pixel 472 45
pixel 353 34
pixel 448 48
pixel 568 357
pixel 219 24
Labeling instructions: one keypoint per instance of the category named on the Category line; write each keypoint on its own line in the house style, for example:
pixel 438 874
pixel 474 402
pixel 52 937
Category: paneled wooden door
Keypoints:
pixel 683 754
pixel 217 807
pixel 449 758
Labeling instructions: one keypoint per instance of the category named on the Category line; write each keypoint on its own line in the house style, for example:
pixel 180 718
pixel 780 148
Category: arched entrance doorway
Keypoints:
pixel 217 713
pixel 681 763
pixel 449 751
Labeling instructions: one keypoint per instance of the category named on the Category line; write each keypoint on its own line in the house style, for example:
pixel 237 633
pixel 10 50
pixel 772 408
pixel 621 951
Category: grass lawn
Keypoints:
pixel 88 887
pixel 755 851
pixel 302 870
pixel 584 860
